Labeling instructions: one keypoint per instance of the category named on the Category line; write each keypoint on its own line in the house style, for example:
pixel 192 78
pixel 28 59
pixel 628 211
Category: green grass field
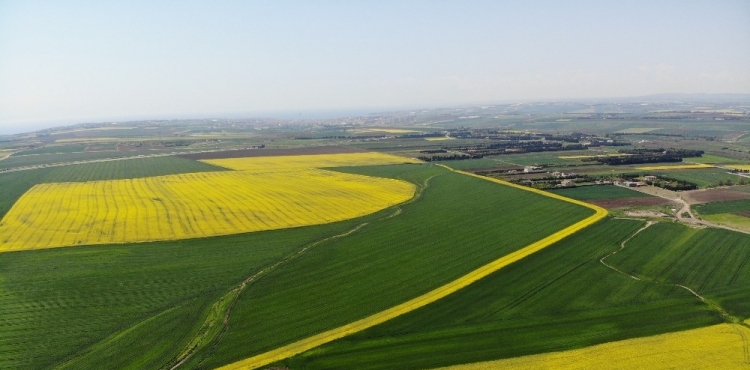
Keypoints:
pixel 713 262
pixel 599 192
pixel 702 177
pixel 731 206
pixel 729 219
pixel 559 298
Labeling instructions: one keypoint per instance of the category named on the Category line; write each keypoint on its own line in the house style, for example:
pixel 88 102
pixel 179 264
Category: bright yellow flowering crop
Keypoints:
pixel 263 193
pixel 714 347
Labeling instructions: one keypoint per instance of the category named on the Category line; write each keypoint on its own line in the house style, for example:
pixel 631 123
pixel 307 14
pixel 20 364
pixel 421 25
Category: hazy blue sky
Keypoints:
pixel 69 61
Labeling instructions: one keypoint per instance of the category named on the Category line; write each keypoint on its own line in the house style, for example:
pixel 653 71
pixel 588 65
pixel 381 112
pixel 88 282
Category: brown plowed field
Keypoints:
pixel 713 195
pixel 272 152
pixel 629 202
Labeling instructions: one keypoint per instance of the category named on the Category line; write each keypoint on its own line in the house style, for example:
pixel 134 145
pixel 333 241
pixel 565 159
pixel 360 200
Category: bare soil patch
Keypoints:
pixel 629 202
pixel 743 214
pixel 272 152
pixel 645 214
pixel 713 195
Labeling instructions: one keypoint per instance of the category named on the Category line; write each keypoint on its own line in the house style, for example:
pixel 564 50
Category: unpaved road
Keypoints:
pixel 684 209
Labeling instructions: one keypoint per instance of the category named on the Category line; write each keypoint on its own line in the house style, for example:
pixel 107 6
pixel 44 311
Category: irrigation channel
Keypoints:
pixel 431 296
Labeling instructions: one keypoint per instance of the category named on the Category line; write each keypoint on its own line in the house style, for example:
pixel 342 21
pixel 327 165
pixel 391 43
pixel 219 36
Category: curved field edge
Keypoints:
pixel 261 194
pixel 723 346
pixel 431 296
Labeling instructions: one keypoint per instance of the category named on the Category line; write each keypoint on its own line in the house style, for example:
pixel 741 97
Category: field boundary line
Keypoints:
pixel 317 340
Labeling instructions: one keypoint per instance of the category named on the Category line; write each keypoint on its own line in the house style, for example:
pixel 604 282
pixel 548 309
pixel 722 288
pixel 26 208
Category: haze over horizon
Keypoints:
pixel 81 62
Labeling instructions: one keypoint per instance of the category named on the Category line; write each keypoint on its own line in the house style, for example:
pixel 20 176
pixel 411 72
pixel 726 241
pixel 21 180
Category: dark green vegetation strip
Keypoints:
pixel 599 192
pixel 458 224
pixel 713 262
pixel 723 207
pixel 557 299
pixel 14 184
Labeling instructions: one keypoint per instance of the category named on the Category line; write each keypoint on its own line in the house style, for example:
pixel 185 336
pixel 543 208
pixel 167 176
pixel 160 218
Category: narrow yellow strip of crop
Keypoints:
pixel 741 167
pixel 593 156
pixel 264 193
pixel 676 167
pixel 714 347
pixel 429 297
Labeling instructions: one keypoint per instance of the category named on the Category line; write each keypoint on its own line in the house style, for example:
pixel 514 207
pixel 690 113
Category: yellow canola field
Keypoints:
pixel 264 193
pixel 714 347
pixel 741 167
pixel 676 167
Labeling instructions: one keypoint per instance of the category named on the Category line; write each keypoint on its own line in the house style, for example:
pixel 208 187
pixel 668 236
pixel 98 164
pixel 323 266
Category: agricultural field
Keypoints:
pixel 611 197
pixel 702 177
pixel 715 159
pixel 260 194
pixel 14 184
pixel 599 192
pixel 541 304
pixel 723 207
pixel 733 213
pixel 52 150
pixel 326 245
pixel 440 197
pixel 717 194
pixel 675 167
pixel 715 347
pixel 712 262
pixel 265 312
pixel 49 158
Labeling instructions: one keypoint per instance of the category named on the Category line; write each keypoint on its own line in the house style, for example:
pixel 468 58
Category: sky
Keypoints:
pixel 65 62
